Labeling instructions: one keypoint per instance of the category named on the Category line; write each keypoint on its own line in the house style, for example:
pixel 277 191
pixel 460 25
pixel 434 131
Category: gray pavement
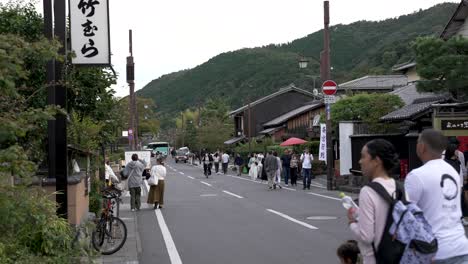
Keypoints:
pixel 128 254
pixel 231 219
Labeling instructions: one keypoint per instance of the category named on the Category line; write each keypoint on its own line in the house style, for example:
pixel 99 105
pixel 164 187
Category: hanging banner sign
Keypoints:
pixel 323 143
pixel 90 35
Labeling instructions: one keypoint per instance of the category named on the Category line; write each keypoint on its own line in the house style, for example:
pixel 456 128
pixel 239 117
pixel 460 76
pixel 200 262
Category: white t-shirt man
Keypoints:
pixel 306 159
pixel 435 188
pixel 225 158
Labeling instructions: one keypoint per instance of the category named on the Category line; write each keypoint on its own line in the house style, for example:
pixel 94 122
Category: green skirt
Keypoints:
pixel 156 193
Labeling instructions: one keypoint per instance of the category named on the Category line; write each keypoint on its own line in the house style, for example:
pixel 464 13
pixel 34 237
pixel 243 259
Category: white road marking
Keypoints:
pixel 324 196
pixel 182 173
pixel 191 177
pixel 292 219
pixel 233 194
pixel 208 195
pixel 289 189
pixel 170 245
pixel 171 248
pixel 317 185
pixel 206 183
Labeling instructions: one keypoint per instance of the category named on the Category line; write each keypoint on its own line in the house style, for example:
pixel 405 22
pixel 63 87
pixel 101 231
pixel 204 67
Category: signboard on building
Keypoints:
pixel 454 124
pixel 90 35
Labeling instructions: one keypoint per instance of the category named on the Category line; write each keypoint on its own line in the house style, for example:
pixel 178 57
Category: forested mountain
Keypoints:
pixel 357 49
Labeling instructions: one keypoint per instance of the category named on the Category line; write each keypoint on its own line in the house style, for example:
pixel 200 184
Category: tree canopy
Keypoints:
pixel 368 108
pixel 443 65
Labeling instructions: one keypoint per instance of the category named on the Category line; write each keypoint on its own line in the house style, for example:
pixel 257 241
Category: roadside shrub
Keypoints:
pixel 31 230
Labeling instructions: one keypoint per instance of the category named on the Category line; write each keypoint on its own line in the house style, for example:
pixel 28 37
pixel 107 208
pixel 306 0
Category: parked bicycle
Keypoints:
pixel 111 232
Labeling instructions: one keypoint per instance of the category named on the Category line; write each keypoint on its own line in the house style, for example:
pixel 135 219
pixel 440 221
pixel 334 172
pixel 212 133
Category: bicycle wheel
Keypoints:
pixel 97 237
pixel 115 235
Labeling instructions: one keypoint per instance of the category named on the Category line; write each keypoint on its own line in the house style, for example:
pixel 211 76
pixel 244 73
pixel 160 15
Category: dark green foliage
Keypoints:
pixel 368 108
pixel 444 65
pixel 358 49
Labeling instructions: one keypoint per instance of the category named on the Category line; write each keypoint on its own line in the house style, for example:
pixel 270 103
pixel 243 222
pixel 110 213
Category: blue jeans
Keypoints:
pixel 306 178
pixel 286 173
pixel 455 260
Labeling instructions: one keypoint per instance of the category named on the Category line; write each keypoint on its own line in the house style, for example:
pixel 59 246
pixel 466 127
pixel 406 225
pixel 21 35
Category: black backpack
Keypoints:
pixel 390 250
pixel 398 245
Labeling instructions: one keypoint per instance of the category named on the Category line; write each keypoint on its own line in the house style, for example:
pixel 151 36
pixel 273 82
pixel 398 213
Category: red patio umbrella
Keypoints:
pixel 293 141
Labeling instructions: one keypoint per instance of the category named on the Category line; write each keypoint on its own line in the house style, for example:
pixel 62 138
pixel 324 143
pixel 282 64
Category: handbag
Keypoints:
pixel 153 180
pixel 124 173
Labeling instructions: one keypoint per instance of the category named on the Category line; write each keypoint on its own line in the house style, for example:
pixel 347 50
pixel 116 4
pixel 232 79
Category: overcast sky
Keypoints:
pixel 173 35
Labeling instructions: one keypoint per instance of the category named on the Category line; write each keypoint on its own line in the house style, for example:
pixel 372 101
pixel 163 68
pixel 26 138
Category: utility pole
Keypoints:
pixel 250 128
pixel 183 131
pixel 325 75
pixel 57 95
pixel 131 84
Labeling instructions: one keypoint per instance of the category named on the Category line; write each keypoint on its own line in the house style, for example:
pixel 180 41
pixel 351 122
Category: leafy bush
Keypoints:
pixel 95 199
pixel 31 230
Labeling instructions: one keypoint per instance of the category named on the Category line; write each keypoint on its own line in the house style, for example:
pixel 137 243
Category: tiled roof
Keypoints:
pixel 233 140
pixel 413 110
pixel 456 22
pixel 409 93
pixel 282 90
pixel 283 118
pixel 403 66
pixel 375 82
pixel 270 130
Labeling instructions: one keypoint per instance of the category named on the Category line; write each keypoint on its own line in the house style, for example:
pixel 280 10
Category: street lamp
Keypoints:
pixel 303 63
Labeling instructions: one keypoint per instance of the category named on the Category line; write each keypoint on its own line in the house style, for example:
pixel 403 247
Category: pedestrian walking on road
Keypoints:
pixel 294 165
pixel 216 159
pixel 135 171
pixel 253 172
pixel 260 159
pixel 278 172
pixel 286 165
pixel 435 188
pixel 225 160
pixel 378 158
pixel 251 161
pixel 207 161
pixel 271 166
pixel 262 171
pixel 156 192
pixel 238 161
pixel 306 160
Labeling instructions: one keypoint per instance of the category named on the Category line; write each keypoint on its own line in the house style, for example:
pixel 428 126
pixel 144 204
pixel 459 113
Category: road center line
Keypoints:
pixel 324 196
pixel 171 248
pixel 292 219
pixel 206 183
pixel 182 173
pixel 191 177
pixel 233 194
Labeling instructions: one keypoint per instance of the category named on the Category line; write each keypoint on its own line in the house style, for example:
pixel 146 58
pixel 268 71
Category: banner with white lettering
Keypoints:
pixel 323 143
pixel 89 27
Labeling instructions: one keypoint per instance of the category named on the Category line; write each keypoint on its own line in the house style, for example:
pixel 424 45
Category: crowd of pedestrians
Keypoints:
pixel 263 167
pixel 435 190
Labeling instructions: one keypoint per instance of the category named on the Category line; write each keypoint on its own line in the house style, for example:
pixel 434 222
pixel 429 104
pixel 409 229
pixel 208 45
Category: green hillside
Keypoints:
pixel 357 49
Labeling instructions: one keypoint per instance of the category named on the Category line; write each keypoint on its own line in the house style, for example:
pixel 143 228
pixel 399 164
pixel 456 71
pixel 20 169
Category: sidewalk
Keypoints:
pixel 128 254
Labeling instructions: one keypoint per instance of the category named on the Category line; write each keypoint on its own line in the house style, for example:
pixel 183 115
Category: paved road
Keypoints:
pixel 228 219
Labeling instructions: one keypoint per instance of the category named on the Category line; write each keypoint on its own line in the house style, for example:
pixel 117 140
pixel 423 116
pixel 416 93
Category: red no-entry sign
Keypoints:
pixel 329 87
